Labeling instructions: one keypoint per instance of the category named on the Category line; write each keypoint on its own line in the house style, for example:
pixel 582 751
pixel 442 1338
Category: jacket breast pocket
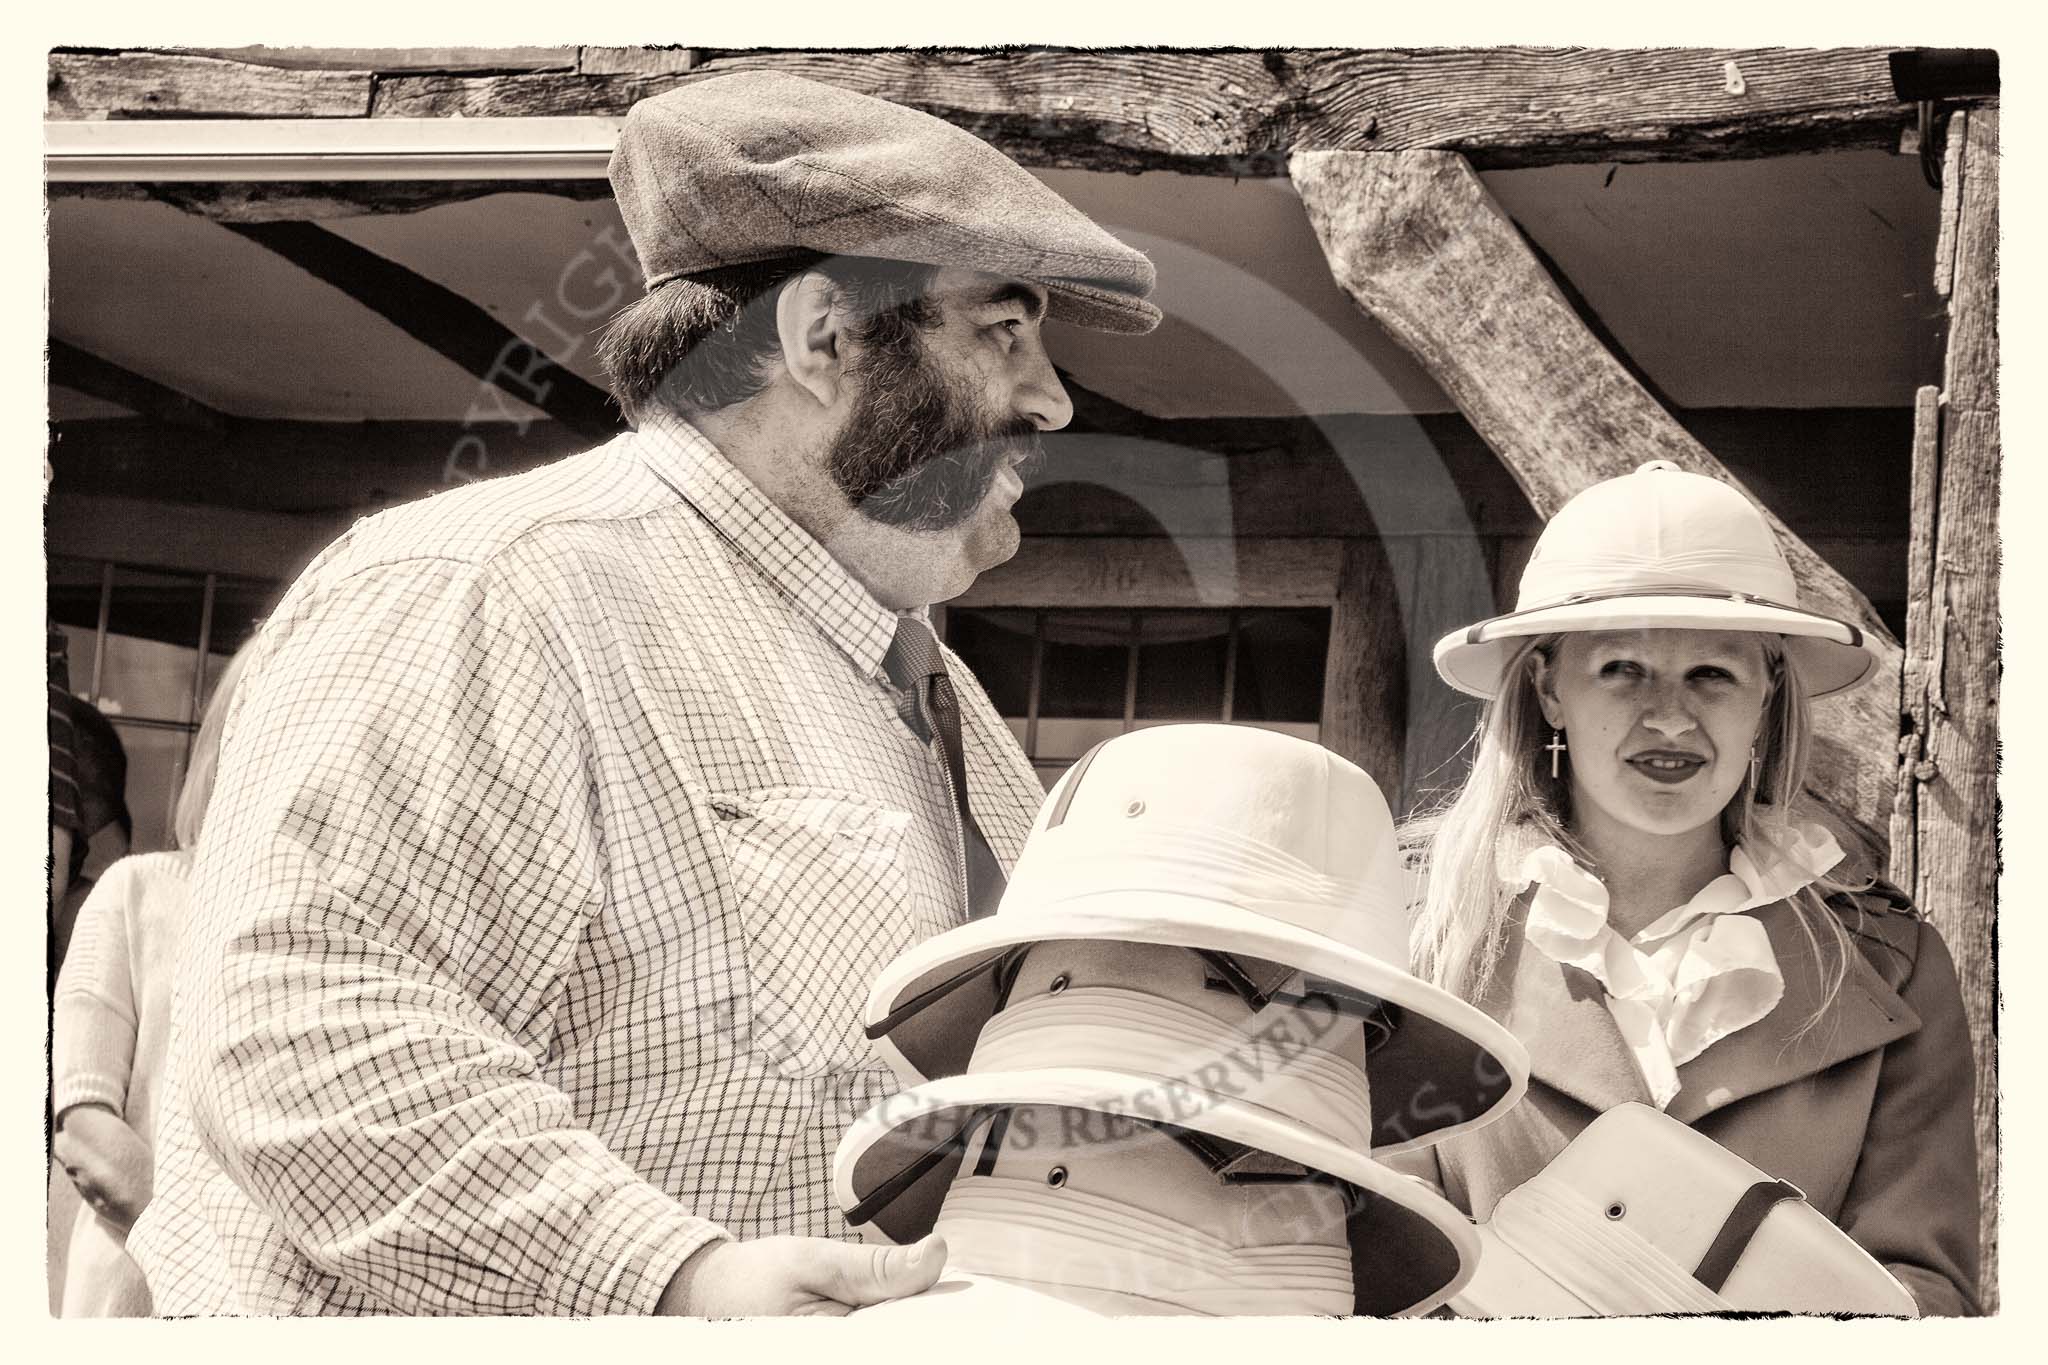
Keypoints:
pixel 820 885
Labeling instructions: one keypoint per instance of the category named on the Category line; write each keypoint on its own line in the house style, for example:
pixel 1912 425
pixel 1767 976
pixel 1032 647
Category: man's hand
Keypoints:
pixel 107 1160
pixel 798 1276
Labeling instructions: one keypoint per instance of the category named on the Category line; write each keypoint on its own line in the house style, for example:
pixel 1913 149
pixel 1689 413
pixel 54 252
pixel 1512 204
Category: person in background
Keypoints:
pixel 566 817
pixel 93 811
pixel 98 830
pixel 1630 879
pixel 89 829
pixel 64 815
pixel 111 1017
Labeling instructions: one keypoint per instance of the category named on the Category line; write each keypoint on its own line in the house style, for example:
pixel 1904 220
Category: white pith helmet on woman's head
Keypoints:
pixel 1659 549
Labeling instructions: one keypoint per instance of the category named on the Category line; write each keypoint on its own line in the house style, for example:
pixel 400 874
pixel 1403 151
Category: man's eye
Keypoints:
pixel 1712 674
pixel 1621 668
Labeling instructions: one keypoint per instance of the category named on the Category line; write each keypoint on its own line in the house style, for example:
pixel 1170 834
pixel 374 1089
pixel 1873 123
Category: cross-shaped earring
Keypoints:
pixel 1556 747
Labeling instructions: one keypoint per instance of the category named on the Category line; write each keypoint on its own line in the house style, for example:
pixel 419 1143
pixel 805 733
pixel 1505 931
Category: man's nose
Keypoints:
pixel 1041 398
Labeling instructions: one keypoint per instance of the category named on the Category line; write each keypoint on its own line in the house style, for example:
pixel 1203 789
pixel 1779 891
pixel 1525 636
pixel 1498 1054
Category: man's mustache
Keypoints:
pixel 952 481
pixel 1018 442
pixel 1030 445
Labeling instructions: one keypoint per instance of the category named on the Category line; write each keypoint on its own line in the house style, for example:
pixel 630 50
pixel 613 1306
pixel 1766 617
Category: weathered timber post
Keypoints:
pixel 1365 692
pixel 1417 241
pixel 1448 587
pixel 1945 825
pixel 1384 708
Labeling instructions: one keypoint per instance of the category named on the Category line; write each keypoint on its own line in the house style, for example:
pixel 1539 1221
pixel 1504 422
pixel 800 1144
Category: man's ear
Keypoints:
pixel 808 328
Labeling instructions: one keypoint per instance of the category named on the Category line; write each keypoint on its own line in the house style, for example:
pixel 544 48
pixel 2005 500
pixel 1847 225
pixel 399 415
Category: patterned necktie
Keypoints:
pixel 933 711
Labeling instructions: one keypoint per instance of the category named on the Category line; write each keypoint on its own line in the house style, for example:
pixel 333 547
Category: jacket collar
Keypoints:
pixel 1864 1015
pixel 1560 1014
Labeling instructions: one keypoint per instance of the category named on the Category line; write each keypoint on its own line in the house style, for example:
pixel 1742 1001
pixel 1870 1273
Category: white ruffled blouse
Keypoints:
pixel 1697 974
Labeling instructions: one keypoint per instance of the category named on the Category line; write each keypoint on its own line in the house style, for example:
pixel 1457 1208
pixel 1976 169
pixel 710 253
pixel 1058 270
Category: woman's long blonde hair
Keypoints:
pixel 1467 849
pixel 190 815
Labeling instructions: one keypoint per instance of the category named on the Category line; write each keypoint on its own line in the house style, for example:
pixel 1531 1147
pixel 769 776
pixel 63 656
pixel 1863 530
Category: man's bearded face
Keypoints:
pixel 920 452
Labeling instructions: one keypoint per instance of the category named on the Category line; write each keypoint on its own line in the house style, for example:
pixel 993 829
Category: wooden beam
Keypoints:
pixel 1913 688
pixel 1441 585
pixel 1383 705
pixel 90 85
pixel 1073 571
pixel 1814 467
pixel 267 545
pixel 1365 683
pixel 297 467
pixel 1136 110
pixel 1260 478
pixel 620 61
pixel 445 321
pixel 602 92
pixel 387 59
pixel 1421 246
pixel 79 369
pixel 1950 694
pixel 1590 316
pixel 305 201
pixel 1216 112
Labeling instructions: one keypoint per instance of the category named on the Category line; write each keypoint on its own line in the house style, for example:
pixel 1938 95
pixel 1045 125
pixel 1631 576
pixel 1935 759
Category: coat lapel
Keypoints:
pixel 1560 1014
pixel 1864 1015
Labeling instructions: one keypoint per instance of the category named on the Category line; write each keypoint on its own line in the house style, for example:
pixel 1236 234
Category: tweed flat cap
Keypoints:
pixel 757 164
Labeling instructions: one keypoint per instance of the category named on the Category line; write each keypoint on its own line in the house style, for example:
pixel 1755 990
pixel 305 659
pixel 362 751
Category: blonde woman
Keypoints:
pixel 111 1016
pixel 1627 881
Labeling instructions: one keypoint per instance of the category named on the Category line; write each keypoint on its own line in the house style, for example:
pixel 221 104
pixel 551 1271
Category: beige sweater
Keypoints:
pixel 112 1013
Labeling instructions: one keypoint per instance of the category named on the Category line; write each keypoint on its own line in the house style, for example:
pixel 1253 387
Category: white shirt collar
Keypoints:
pixel 1696 974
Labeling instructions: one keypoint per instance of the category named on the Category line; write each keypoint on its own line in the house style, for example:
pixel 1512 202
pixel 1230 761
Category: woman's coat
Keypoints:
pixel 1868 1111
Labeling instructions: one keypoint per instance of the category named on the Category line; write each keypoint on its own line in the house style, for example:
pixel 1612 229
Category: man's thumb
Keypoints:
pixel 867 1275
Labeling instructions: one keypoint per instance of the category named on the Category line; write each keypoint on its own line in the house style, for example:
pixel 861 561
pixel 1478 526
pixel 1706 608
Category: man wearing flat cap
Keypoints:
pixel 564 820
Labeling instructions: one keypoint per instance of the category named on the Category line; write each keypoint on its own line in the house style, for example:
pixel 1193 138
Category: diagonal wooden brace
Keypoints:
pixel 1420 245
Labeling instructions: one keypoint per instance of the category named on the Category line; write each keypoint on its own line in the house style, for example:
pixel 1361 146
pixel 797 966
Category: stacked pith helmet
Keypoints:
pixel 1641 1214
pixel 1228 912
pixel 1234 840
